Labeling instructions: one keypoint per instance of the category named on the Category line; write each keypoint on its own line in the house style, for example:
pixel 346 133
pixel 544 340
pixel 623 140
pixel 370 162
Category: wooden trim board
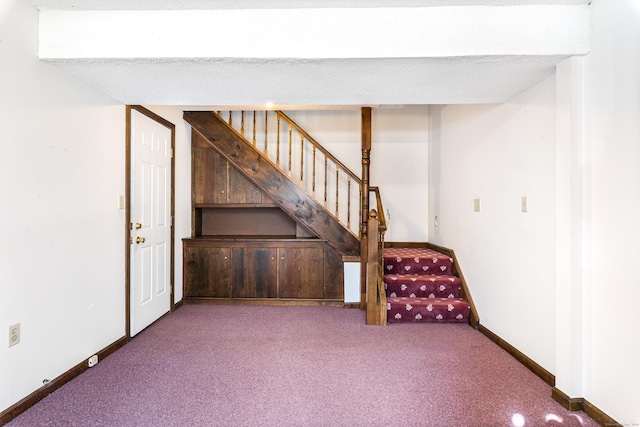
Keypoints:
pixel 545 375
pixel 581 404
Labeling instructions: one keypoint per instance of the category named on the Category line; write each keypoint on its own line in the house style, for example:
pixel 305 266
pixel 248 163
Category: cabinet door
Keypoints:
pixel 207 272
pixel 301 273
pixel 254 273
pixel 241 190
pixel 333 274
pixel 209 176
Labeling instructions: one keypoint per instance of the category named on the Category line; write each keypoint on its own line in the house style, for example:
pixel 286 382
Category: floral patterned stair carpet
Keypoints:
pixel 421 287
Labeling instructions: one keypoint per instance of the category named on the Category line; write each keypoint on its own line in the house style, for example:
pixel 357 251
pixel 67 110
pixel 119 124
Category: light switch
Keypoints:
pixel 525 206
pixel 121 202
pixel 476 205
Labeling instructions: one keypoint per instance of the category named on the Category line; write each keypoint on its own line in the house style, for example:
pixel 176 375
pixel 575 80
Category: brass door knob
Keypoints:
pixel 139 240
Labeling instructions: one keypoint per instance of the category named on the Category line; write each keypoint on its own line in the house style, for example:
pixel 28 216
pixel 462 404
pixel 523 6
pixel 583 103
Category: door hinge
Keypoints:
pixel 171 152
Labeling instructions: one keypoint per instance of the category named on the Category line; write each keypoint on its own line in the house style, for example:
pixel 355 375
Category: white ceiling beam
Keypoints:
pixel 315 33
pixel 314 56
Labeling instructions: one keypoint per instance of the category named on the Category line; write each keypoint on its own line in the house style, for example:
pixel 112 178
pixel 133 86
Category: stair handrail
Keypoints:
pixel 309 146
pixel 381 217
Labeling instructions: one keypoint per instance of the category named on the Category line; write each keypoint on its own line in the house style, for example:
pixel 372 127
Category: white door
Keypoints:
pixel 151 221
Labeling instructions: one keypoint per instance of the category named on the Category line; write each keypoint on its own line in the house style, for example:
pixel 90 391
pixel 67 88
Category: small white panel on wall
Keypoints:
pixel 351 282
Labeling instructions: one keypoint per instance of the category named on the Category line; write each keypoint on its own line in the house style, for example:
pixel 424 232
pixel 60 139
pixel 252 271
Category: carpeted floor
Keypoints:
pixel 207 365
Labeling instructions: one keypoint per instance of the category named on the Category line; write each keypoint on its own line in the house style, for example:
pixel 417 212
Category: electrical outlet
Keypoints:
pixel 14 334
pixel 525 204
pixel 93 361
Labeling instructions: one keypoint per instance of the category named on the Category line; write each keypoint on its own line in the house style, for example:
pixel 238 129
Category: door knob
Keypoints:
pixel 139 240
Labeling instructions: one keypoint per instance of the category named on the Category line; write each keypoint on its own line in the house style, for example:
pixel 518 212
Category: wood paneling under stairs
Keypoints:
pixel 245 249
pixel 304 209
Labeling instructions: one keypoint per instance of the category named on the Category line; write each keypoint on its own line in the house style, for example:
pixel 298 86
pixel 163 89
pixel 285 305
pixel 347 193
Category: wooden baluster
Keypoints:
pixel 242 123
pixel 278 145
pixel 254 128
pixel 290 146
pixel 266 130
pixel 349 203
pixel 218 112
pixel 313 178
pixel 337 188
pixel 230 118
pixel 326 178
pixel 302 158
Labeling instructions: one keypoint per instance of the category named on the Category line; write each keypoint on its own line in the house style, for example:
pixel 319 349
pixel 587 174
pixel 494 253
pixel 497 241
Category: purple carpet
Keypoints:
pixel 208 365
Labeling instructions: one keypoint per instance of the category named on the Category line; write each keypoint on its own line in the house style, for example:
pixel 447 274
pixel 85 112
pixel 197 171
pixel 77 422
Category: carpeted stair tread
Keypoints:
pixel 416 261
pixel 449 310
pixel 425 286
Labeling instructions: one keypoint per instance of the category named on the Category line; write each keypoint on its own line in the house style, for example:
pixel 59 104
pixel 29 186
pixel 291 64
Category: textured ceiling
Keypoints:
pixel 196 82
pixel 295 83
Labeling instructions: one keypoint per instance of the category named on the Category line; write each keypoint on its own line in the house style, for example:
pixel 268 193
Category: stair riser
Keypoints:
pixel 416 265
pixel 455 311
pixel 422 287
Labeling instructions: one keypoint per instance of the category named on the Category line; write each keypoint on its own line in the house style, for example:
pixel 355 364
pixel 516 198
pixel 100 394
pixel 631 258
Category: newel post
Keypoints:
pixel 366 161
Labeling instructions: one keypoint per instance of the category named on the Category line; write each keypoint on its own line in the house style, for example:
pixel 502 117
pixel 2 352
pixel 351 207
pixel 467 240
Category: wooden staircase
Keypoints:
pixel 302 207
pixel 301 180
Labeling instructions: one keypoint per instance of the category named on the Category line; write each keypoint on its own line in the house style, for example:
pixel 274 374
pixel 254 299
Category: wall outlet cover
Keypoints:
pixel 14 334
pixel 93 361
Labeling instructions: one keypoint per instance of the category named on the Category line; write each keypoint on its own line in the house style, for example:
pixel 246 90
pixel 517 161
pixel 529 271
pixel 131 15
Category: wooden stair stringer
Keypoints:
pixel 300 206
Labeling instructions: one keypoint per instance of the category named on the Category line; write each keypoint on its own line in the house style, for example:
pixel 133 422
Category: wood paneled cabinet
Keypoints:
pixel 255 272
pixel 244 247
pixel 263 268
pixel 207 271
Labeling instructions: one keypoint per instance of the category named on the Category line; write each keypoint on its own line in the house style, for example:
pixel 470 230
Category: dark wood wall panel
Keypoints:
pixel 333 274
pixel 247 222
pixel 241 190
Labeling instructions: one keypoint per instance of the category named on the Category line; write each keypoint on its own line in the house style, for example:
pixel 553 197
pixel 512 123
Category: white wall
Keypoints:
pixel 61 232
pixel 399 161
pixel 499 154
pixel 612 100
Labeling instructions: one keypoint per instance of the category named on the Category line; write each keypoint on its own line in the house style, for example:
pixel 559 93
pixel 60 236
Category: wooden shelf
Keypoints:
pixel 233 205
pixel 243 238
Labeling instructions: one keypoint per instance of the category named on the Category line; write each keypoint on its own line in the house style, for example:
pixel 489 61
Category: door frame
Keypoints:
pixel 128 224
